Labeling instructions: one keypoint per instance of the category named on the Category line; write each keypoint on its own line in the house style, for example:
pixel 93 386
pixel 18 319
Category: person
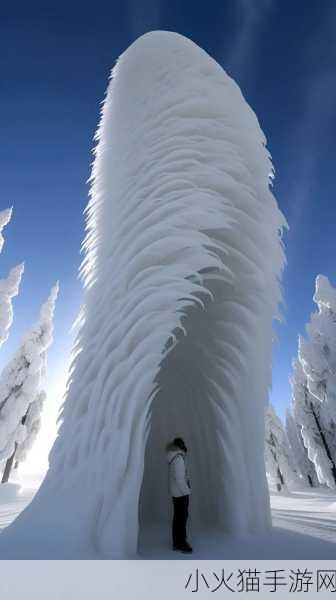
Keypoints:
pixel 180 490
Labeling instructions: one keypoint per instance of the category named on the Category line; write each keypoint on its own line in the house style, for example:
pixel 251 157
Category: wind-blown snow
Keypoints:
pixel 181 276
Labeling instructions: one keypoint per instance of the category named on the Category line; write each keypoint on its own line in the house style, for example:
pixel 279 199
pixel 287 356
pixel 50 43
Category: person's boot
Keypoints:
pixel 186 548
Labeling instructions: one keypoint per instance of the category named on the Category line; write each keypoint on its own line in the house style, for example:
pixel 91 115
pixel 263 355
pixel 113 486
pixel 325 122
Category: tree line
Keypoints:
pixel 21 381
pixel 304 451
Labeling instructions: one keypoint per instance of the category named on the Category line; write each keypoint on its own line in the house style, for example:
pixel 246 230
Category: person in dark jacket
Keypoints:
pixel 180 490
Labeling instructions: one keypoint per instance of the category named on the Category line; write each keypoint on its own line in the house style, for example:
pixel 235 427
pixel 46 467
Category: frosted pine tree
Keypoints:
pixel 279 462
pixel 32 424
pixel 317 352
pixel 307 414
pixel 9 288
pixel 5 217
pixel 304 466
pixel 20 381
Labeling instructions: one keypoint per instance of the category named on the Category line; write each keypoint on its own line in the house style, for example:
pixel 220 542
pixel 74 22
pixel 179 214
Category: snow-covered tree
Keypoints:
pixel 20 381
pixel 32 424
pixel 279 462
pixel 9 288
pixel 317 352
pixel 307 412
pixel 181 285
pixel 304 465
pixel 5 217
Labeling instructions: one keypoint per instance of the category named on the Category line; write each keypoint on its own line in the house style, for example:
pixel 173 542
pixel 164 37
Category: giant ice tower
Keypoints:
pixel 183 257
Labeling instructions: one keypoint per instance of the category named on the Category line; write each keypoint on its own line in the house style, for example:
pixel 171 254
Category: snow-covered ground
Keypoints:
pixel 307 512
pixel 304 527
pixel 13 499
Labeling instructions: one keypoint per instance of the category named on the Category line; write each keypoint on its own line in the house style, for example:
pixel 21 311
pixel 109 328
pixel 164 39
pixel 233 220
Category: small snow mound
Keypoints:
pixel 9 492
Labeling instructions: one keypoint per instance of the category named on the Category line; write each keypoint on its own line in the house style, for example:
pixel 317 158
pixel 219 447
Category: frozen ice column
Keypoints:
pixel 183 256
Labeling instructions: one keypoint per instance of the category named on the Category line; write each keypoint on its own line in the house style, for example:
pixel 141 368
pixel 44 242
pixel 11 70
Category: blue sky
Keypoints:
pixel 55 60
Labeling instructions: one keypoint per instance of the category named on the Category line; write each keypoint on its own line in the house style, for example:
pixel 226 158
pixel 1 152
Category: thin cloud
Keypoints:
pixel 251 17
pixel 144 16
pixel 318 108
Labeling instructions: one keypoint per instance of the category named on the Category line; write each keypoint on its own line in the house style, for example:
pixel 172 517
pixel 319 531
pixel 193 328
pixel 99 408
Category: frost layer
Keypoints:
pixel 181 277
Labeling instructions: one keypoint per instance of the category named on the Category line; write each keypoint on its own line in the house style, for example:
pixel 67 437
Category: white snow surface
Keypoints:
pixel 13 499
pixel 304 527
pixel 181 281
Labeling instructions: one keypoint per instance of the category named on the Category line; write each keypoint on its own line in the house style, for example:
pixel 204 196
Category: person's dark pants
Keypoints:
pixel 179 528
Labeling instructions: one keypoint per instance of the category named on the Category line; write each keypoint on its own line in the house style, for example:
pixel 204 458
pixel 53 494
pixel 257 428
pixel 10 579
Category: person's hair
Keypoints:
pixel 179 442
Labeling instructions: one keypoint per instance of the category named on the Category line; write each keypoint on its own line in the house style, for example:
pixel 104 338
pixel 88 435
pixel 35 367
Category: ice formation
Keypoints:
pixel 181 282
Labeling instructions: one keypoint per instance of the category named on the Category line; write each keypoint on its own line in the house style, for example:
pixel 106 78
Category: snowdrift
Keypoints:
pixel 183 256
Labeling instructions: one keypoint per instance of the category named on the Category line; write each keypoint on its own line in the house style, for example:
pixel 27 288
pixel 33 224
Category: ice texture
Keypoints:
pixel 183 258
